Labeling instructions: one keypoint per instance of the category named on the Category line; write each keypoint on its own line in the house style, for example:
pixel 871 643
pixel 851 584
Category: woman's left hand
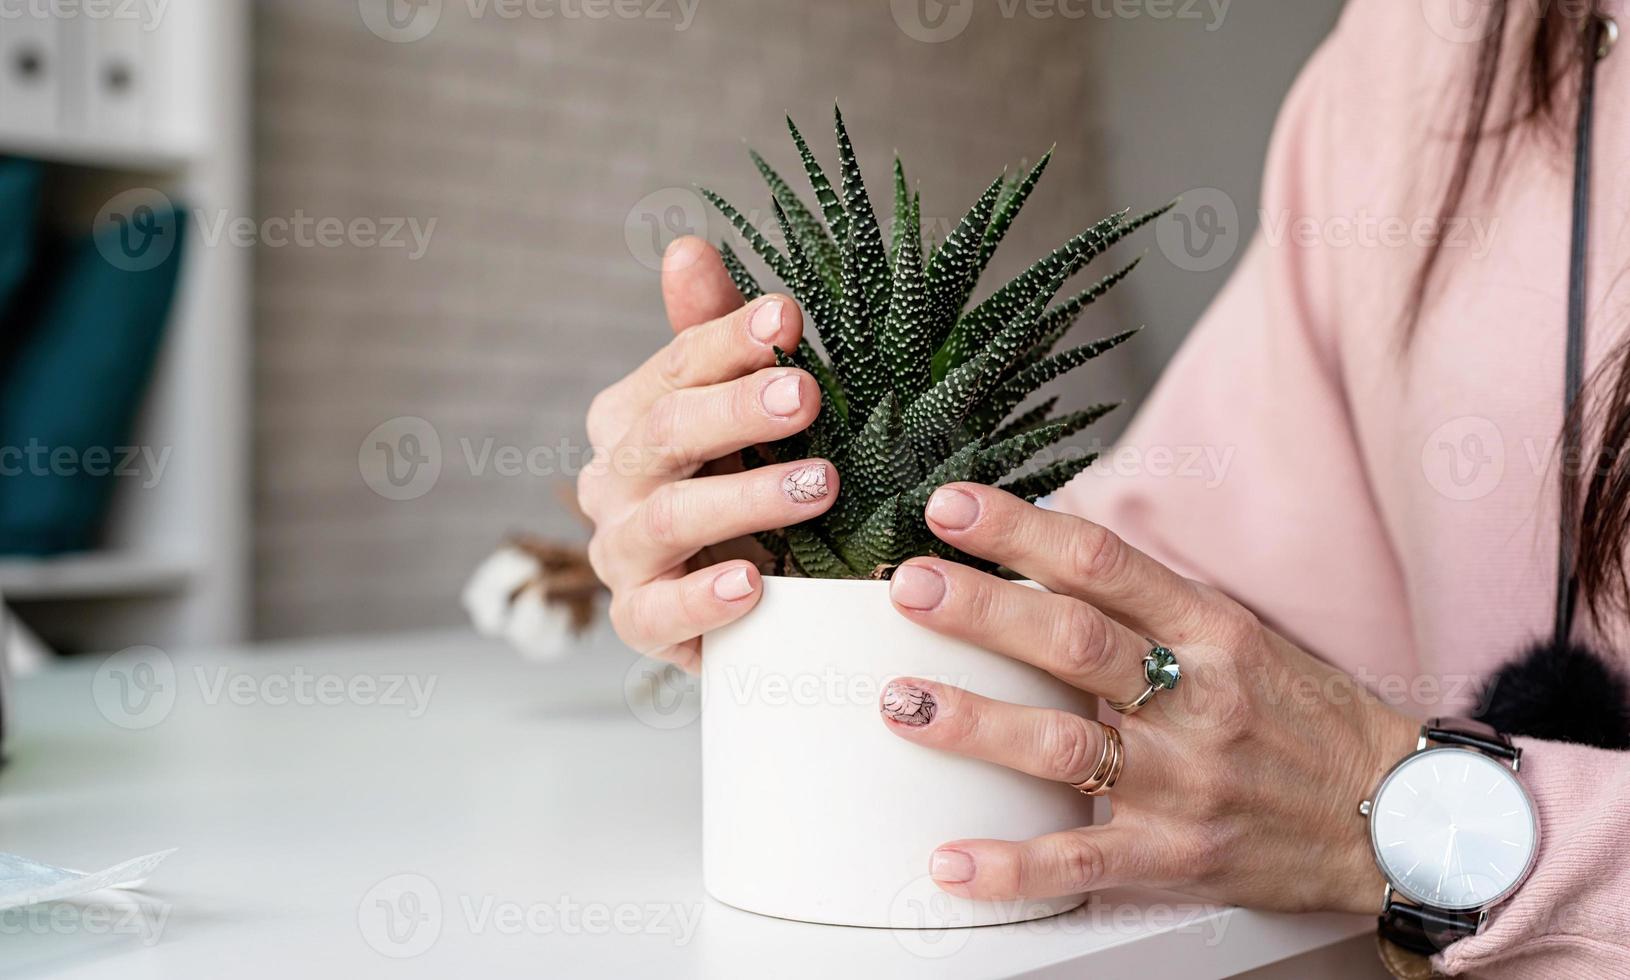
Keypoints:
pixel 1240 784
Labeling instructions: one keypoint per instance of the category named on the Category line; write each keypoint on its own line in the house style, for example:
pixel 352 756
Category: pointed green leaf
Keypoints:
pixel 1002 458
pixel 1008 209
pixel 902 201
pixel 814 556
pixel 1027 421
pixel 877 463
pixel 874 264
pixel 745 283
pixel 1051 478
pixel 867 379
pixel 935 419
pixel 831 208
pixel 1060 318
pixel 805 227
pixel 955 266
pixel 755 239
pixel 1023 384
pixel 905 342
pixel 981 323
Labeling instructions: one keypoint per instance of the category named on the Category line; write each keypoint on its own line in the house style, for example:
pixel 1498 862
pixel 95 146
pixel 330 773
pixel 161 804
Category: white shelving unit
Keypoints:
pixel 172 570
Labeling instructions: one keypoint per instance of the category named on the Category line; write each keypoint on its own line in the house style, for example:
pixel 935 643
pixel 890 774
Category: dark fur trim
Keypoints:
pixel 1560 695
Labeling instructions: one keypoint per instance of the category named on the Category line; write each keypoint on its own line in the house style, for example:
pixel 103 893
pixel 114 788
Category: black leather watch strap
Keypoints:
pixel 1473 735
pixel 1425 930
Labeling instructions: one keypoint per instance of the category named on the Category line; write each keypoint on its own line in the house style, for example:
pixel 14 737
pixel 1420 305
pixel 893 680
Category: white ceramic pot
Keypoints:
pixel 811 808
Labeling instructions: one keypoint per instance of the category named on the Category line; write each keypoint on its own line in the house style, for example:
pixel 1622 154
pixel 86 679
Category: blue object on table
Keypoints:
pixel 69 396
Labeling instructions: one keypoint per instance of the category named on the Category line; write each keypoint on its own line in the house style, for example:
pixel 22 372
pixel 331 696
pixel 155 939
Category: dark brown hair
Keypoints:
pixel 1536 98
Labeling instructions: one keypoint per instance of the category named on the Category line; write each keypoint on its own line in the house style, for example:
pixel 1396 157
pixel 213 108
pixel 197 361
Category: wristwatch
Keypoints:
pixel 1454 833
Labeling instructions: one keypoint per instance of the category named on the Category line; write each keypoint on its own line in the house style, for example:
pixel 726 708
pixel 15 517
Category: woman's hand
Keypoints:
pixel 1241 784
pixel 653 490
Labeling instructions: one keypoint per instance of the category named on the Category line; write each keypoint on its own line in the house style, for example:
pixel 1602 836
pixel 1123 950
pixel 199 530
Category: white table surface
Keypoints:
pixel 557 827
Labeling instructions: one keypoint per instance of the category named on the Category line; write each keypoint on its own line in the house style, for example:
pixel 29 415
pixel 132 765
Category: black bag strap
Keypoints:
pixel 1574 369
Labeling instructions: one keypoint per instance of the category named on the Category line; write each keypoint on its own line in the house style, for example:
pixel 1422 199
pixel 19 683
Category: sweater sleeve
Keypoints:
pixel 1242 467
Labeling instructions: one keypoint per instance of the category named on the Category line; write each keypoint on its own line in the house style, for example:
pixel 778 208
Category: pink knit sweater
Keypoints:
pixel 1394 511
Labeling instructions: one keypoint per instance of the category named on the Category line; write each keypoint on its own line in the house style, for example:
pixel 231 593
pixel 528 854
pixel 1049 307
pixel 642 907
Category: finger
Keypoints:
pixel 695 286
pixel 720 350
pixel 1064 636
pixel 1043 742
pixel 1065 863
pixel 1068 555
pixel 689 427
pixel 661 618
pixel 681 518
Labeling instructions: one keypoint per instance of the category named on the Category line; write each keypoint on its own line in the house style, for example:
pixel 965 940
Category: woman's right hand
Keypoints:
pixel 664 485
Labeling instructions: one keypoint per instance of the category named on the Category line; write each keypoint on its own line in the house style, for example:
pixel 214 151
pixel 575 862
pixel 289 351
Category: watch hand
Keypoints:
pixel 1447 851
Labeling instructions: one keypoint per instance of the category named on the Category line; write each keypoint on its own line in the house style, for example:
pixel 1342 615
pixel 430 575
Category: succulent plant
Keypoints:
pixel 920 386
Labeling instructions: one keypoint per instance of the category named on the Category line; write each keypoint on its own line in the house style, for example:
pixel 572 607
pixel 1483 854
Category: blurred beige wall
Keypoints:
pixel 506 174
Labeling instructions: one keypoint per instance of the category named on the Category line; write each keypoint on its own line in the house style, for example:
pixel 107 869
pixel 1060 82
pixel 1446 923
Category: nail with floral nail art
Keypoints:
pixel 806 484
pixel 908 705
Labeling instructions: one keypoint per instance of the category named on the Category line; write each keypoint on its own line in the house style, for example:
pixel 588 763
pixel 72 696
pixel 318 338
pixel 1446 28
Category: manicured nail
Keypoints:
pixel 765 322
pixel 916 587
pixel 953 509
pixel 908 704
pixel 783 396
pixel 733 585
pixel 951 867
pixel 806 484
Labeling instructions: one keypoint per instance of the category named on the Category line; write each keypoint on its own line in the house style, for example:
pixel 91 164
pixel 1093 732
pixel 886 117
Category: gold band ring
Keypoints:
pixel 1111 759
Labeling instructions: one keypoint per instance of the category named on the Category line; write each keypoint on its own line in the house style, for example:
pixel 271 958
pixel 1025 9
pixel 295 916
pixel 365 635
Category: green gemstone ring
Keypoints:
pixel 1162 672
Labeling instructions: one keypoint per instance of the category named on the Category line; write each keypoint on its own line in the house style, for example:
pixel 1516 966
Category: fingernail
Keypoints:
pixel 951 867
pixel 681 253
pixel 952 509
pixel 908 704
pixel 783 396
pixel 806 484
pixel 916 587
pixel 765 322
pixel 733 585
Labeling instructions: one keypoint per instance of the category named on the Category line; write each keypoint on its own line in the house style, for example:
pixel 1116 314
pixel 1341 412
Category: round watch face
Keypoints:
pixel 1453 828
